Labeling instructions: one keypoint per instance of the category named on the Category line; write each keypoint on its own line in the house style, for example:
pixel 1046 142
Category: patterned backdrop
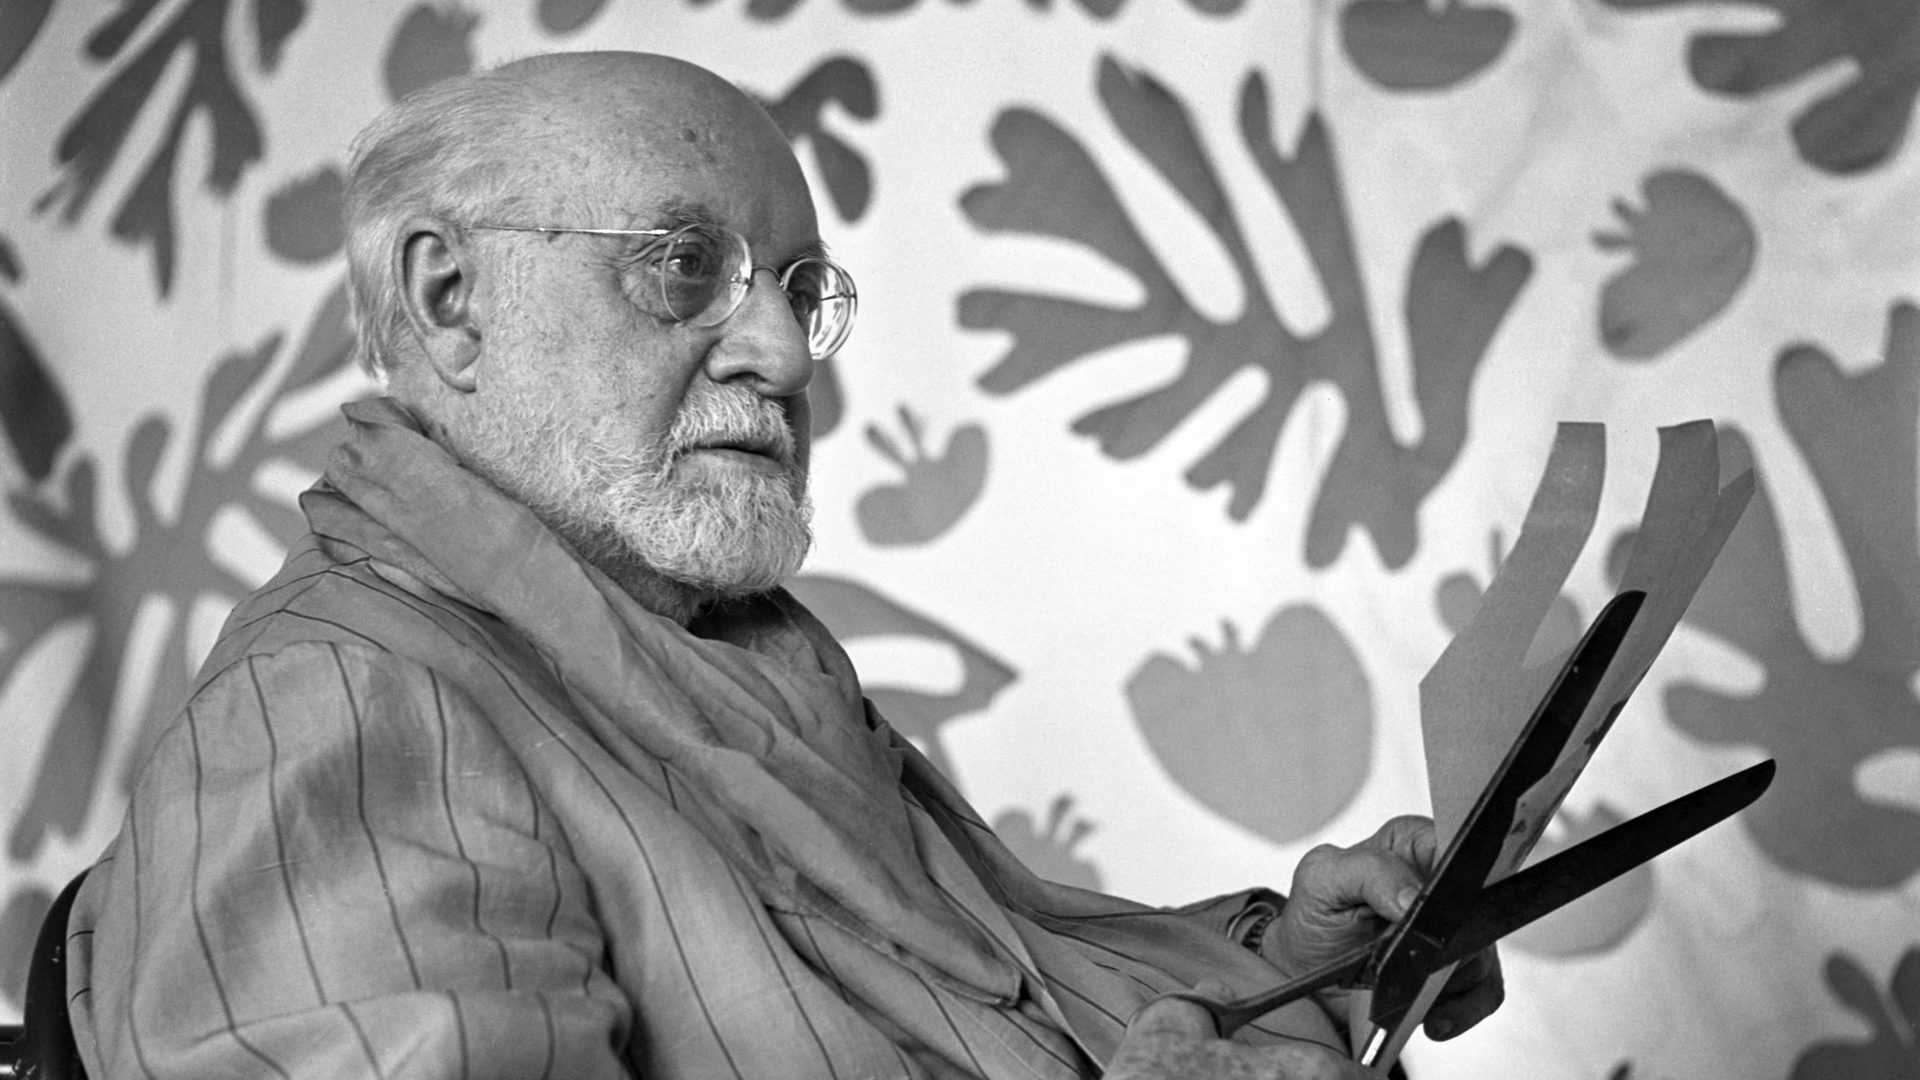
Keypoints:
pixel 1210 354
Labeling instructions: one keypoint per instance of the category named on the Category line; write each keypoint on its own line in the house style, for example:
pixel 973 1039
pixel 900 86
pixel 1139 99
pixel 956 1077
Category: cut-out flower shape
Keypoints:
pixel 1859 124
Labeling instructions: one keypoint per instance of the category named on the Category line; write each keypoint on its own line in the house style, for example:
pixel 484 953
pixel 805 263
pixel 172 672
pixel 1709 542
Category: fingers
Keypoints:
pixel 1336 880
pixel 1172 1038
pixel 1412 838
pixel 1178 1016
pixel 1475 990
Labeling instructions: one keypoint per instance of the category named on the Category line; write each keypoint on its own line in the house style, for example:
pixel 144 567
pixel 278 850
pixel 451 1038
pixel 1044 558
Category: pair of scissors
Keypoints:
pixel 1460 912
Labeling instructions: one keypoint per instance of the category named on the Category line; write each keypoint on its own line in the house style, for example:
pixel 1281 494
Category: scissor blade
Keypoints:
pixel 1520 898
pixel 1462 873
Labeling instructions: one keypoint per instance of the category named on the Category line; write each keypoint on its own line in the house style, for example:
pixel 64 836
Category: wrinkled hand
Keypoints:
pixel 1172 1039
pixel 1343 897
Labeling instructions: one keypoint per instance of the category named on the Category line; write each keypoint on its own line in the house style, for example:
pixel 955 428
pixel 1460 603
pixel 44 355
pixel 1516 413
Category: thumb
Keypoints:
pixel 1179 1014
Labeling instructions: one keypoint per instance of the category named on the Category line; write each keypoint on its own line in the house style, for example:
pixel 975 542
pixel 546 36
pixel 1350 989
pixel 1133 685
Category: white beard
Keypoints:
pixel 624 510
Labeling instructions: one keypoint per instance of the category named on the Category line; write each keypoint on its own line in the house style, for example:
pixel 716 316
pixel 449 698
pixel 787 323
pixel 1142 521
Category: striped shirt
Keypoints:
pixel 443 805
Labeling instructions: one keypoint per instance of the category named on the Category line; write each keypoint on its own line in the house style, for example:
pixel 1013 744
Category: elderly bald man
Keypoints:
pixel 524 765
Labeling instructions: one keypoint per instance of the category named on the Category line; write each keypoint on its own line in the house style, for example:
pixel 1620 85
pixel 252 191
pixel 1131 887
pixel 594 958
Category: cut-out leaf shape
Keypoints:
pixel 1277 738
pixel 33 409
pixel 95 139
pixel 1822 719
pixel 274 21
pixel 1860 123
pixel 1892 1047
pixel 433 42
pixel 1053 187
pixel 168 557
pixel 1416 45
pixel 20 23
pixel 848 83
pixel 1693 249
pixel 934 490
pixel 1049 849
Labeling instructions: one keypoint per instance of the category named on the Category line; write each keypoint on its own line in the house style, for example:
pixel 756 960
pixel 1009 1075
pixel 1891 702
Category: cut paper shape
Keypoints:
pixel 853 610
pixel 1479 693
pixel 1598 922
pixel 1458 596
pixel 1454 304
pixel 800 113
pixel 1049 849
pixel 168 559
pixel 1276 738
pixel 20 23
pixel 1693 249
pixel 433 42
pixel 1825 718
pixel 1480 680
pixel 1892 1046
pixel 304 222
pixel 33 409
pixel 94 140
pixel 1876 43
pixel 935 491
pixel 566 16
pixel 1417 45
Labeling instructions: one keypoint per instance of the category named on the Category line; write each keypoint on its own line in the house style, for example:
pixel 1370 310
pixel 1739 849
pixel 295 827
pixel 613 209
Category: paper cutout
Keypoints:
pixel 1693 249
pixel 936 487
pixel 1048 849
pixel 1275 735
pixel 1414 45
pixel 1860 119
pixel 1478 696
pixel 1456 296
pixel 1827 717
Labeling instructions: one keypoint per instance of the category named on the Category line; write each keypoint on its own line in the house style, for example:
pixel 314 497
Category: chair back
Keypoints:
pixel 41 1046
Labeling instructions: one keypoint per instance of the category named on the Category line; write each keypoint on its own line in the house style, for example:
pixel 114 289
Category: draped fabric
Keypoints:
pixel 1209 355
pixel 446 803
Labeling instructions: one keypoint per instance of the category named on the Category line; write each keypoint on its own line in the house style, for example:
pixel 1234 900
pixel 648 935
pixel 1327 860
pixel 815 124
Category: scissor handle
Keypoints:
pixel 1230 1016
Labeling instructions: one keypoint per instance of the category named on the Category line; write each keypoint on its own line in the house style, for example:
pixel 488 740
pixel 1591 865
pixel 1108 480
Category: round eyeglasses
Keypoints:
pixel 699 274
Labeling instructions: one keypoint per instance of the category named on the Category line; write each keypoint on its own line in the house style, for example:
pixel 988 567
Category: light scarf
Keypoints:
pixel 764 725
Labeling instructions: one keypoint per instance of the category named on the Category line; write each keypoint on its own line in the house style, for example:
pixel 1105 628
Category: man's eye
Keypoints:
pixel 694 262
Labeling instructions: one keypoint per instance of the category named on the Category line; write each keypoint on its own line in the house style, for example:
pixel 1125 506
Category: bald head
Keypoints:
pixel 573 139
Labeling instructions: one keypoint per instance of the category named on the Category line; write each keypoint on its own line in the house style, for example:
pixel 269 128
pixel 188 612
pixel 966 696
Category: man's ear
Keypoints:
pixel 436 275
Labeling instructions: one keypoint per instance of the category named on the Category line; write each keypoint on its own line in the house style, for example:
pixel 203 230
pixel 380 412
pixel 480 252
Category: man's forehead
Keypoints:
pixel 643 142
pixel 772 208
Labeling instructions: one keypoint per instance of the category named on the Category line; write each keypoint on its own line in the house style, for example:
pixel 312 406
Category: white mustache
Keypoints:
pixel 734 418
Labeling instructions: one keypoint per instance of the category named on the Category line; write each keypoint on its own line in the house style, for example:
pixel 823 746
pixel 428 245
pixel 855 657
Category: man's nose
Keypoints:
pixel 762 343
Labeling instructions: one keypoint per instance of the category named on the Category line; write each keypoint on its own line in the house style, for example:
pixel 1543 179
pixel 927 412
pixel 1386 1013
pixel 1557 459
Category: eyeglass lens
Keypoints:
pixel 704 273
